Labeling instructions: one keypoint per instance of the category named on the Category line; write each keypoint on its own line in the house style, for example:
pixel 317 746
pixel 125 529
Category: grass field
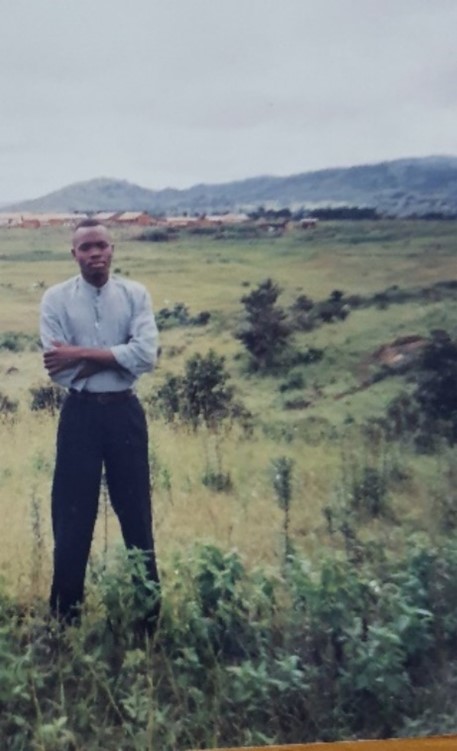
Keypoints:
pixel 326 440
pixel 212 275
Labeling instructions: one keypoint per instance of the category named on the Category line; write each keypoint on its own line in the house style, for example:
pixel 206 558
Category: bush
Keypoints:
pixel 155 236
pixel 294 381
pixel 205 394
pixel 177 316
pixel 436 393
pixel 429 414
pixel 49 398
pixel 265 332
pixel 168 397
pixel 167 318
pixel 201 395
pixel 219 481
pixel 323 652
pixel 18 342
pixel 8 408
pixel 370 493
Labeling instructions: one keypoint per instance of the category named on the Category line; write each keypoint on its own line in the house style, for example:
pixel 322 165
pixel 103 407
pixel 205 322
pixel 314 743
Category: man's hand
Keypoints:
pixel 62 357
pixel 91 360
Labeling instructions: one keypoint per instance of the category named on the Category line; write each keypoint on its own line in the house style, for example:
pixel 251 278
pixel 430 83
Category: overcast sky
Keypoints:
pixel 175 92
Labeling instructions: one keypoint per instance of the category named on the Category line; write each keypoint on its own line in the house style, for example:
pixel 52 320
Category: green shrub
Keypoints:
pixel 294 381
pixel 8 408
pixel 167 318
pixel 428 416
pixel 265 331
pixel 49 398
pixel 156 235
pixel 370 492
pixel 326 651
pixel 219 481
pixel 201 395
pixel 17 342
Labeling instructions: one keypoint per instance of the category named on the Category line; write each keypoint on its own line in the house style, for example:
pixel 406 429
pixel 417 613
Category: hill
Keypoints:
pixel 401 187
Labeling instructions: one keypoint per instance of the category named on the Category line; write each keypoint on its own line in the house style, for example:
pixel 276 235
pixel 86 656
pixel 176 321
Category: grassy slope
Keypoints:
pixel 213 275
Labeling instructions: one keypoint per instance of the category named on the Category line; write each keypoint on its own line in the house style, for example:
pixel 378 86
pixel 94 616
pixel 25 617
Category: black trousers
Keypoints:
pixel 92 433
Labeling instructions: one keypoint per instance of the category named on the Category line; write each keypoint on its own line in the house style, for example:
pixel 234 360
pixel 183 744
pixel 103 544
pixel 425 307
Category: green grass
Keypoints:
pixel 334 445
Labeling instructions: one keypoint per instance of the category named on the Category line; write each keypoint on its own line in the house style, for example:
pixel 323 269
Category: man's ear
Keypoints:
pixel 73 252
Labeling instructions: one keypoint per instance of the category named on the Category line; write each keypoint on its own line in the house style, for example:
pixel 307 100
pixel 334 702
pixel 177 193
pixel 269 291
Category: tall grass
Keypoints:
pixel 343 647
pixel 319 607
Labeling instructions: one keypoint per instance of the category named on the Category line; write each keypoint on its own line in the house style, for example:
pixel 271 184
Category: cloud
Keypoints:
pixel 183 91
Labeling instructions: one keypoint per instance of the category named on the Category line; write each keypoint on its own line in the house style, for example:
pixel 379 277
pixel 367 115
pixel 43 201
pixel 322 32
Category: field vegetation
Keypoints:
pixel 304 497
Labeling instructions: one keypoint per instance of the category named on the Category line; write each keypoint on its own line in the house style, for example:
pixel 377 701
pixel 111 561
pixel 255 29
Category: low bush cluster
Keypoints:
pixel 201 395
pixel 8 408
pixel 47 398
pixel 179 315
pixel 427 416
pixel 330 651
pixel 156 235
pixel 14 341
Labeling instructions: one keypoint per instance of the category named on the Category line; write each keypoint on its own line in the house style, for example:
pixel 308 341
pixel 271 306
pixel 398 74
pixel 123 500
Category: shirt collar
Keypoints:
pixel 90 287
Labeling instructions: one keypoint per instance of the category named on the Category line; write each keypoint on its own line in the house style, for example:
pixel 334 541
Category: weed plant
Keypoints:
pixel 327 650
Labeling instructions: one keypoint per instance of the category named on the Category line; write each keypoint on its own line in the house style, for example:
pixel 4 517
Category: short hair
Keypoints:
pixel 89 222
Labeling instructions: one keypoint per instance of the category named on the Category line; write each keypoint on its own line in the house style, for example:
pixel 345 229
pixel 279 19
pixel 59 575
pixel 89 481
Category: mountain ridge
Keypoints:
pixel 399 187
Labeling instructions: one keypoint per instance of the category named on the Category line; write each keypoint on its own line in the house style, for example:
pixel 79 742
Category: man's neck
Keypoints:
pixel 97 282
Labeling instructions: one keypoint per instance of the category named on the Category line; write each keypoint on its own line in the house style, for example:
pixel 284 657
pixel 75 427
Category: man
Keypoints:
pixel 99 335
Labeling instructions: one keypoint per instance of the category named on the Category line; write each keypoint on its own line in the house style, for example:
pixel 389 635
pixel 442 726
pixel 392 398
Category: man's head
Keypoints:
pixel 92 249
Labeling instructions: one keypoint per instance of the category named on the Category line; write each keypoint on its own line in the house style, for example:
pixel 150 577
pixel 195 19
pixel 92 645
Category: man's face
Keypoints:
pixel 92 250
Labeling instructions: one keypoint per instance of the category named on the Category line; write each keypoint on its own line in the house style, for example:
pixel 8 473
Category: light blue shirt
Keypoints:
pixel 117 316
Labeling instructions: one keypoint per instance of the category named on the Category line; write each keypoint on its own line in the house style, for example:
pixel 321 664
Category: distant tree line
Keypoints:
pixel 343 213
pixel 336 213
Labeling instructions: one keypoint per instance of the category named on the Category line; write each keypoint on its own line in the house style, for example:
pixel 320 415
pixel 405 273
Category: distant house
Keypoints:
pixel 29 220
pixel 309 222
pixel 139 218
pixel 274 227
pixel 227 219
pixel 30 223
pixel 106 217
pixel 58 219
pixel 182 222
pixel 10 219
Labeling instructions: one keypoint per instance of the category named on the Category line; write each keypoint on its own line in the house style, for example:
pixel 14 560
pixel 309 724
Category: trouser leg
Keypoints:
pixel 75 494
pixel 127 474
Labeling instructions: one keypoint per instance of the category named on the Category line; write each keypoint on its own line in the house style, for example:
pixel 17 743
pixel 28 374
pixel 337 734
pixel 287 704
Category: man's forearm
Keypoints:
pixel 64 356
pixel 91 367
pixel 103 358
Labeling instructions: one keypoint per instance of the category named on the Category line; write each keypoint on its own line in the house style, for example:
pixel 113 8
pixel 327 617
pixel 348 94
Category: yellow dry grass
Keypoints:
pixel 205 274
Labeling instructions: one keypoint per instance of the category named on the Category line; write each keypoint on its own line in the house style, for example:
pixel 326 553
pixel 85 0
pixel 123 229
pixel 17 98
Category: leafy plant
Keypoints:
pixel 179 315
pixel 282 484
pixel 200 395
pixel 14 341
pixel 48 398
pixel 294 381
pixel 265 331
pixel 8 408
pixel 219 481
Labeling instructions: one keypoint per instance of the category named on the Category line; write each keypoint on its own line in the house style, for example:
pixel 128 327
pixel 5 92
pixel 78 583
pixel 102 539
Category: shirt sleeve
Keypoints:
pixel 139 354
pixel 51 330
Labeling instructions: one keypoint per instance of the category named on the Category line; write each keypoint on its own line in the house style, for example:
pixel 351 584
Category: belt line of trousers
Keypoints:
pixel 92 435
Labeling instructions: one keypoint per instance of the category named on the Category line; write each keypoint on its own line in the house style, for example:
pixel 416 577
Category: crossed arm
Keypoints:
pixel 67 363
pixel 91 360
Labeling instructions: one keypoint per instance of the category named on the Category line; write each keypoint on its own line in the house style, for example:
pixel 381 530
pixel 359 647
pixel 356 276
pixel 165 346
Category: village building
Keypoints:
pixel 29 220
pixel 138 218
pixel 227 219
pixel 106 217
pixel 182 222
pixel 308 222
